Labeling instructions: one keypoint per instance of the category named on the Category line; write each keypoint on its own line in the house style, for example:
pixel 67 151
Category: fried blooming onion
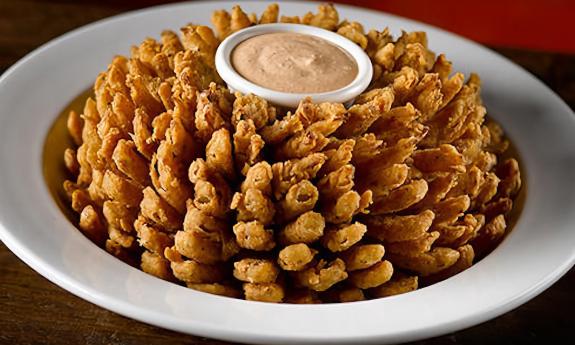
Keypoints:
pixel 230 195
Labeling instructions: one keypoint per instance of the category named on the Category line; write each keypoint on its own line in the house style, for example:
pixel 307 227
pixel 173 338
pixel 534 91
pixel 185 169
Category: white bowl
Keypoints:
pixel 238 83
pixel 537 252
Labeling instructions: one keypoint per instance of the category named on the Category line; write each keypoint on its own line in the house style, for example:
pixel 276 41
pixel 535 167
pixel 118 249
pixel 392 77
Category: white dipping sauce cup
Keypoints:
pixel 344 95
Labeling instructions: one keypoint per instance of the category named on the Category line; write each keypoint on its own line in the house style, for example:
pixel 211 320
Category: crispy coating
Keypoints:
pixel 369 153
pixel 497 207
pixel 120 237
pixel 466 257
pixel 322 118
pixel 212 194
pixel 413 56
pixel 373 276
pixel 109 141
pixel 151 237
pixel 169 165
pixel 322 276
pixel 193 73
pixel 346 206
pixel 450 123
pixel 395 286
pixel 196 218
pixel 428 263
pixel 281 129
pixel 288 173
pixel 307 228
pixel 96 188
pixel 340 238
pixel 270 14
pixel 448 210
pixel 118 188
pixel 155 209
pixel 156 265
pixel 213 111
pixel 119 216
pixel 399 228
pixel 290 19
pixel 199 245
pixel 264 292
pixel 210 231
pixel 254 108
pixel 80 198
pixel 362 116
pixel 259 176
pixel 354 32
pixel 91 224
pixel 75 125
pixel 71 161
pixel 489 235
pixel 382 182
pixel 239 19
pixel 201 39
pixel 142 136
pixel 426 96
pixel 219 154
pixel 412 247
pixel 140 92
pixel 337 156
pixel 461 232
pixel 326 18
pixel 170 45
pixel 402 81
pixel 300 198
pixel 295 257
pixel 337 182
pixel 191 271
pixel 91 143
pixel 253 204
pixel 247 145
pixel 301 145
pixel 443 158
pixel 401 198
pixel 377 40
pixel 510 177
pixel 469 183
pixel 398 123
pixel 252 235
pixel 256 270
pixel 129 162
pixel 221 20
pixel 362 256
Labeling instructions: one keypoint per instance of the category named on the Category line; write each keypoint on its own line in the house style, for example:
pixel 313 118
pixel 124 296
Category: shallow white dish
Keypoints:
pixel 538 251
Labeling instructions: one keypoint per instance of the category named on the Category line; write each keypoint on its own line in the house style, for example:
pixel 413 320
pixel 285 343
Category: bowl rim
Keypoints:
pixel 237 82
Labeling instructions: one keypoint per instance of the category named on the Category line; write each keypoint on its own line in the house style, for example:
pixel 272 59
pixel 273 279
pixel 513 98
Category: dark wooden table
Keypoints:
pixel 35 311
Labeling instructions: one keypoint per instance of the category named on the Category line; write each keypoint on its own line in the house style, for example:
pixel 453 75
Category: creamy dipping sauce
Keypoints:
pixel 294 63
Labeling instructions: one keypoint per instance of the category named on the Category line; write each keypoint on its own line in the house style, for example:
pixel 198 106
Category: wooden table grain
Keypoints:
pixel 35 311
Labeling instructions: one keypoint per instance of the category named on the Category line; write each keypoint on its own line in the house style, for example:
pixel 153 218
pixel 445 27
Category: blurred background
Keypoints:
pixel 537 34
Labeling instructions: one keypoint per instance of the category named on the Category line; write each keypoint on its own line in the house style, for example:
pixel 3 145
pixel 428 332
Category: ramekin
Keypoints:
pixel 344 95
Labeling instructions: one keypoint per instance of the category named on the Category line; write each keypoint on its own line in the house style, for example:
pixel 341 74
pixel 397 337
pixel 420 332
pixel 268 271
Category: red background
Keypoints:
pixel 540 25
pixel 537 25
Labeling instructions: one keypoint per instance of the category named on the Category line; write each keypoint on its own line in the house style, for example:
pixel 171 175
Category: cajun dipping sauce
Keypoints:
pixel 294 63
